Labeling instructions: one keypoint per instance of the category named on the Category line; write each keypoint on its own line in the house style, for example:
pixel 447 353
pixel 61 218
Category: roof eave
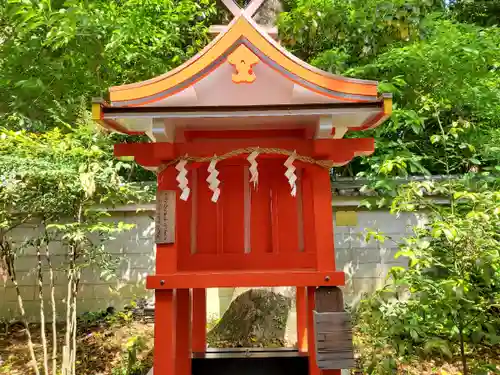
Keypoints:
pixel 241 30
pixel 107 116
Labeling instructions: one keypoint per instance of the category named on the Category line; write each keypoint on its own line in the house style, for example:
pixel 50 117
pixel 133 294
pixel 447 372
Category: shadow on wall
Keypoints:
pixel 365 263
pixel 97 290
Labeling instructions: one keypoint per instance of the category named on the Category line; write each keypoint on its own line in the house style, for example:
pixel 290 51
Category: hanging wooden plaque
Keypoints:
pixel 332 326
pixel 165 217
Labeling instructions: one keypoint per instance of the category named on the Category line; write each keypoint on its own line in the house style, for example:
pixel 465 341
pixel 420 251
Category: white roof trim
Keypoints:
pixel 226 114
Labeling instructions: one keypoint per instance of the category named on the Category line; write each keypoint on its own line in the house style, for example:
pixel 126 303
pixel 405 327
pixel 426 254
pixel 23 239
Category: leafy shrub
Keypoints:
pixel 447 302
pixel 131 364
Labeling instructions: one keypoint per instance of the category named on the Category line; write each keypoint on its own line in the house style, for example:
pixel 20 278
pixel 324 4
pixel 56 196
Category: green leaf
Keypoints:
pixel 477 335
pixel 440 345
pixel 414 334
pixel 436 232
pixel 435 138
pixel 404 253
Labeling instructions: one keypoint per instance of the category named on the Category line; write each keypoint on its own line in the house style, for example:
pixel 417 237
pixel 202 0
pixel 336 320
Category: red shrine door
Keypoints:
pixel 261 228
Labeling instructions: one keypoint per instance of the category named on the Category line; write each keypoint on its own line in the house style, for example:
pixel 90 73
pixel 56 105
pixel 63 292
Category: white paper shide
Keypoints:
pixel 182 179
pixel 290 174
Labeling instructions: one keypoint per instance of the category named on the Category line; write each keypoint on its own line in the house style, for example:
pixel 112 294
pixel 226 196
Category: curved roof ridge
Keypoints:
pixel 306 65
pixel 241 28
pixel 181 67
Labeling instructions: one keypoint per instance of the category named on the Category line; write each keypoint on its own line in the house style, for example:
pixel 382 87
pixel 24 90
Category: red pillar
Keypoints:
pixel 164 352
pixel 301 307
pixel 323 220
pixel 183 332
pixel 311 344
pixel 199 320
pixel 164 356
pixel 325 254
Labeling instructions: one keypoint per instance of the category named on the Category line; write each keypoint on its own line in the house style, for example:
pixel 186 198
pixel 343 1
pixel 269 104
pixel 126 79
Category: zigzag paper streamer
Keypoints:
pixel 254 172
pixel 290 174
pixel 213 182
pixel 182 179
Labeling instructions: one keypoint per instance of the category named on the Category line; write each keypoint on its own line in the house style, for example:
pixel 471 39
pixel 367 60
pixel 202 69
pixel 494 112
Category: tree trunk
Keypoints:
pixel 462 350
pixel 43 336
pixel 69 320
pixel 54 312
pixel 268 13
pixel 74 325
pixel 13 278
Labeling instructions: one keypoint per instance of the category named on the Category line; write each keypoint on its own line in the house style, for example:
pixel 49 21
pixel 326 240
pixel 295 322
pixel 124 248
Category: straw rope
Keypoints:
pixel 327 164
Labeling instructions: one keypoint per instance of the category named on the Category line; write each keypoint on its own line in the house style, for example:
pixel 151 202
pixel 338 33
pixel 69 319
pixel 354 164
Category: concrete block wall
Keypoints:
pixel 135 250
pixel 366 264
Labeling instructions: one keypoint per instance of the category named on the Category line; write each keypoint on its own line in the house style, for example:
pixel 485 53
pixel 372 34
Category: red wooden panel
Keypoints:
pixel 276 241
pixel 323 220
pixel 183 223
pixel 260 222
pixel 167 179
pixel 232 202
pixel 167 260
pixel 231 262
pixel 192 135
pixel 308 210
pixel 274 217
pixel 287 214
pixel 206 215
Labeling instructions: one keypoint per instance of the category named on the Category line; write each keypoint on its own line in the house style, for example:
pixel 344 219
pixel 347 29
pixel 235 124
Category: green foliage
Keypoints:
pixel 481 12
pixel 54 53
pixel 354 31
pixel 447 96
pixel 446 303
pixel 455 65
pixel 131 364
pixel 108 317
pixel 58 180
pixel 444 77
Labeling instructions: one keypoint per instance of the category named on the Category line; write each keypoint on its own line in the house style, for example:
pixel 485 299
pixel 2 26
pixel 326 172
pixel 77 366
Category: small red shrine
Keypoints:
pixel 242 138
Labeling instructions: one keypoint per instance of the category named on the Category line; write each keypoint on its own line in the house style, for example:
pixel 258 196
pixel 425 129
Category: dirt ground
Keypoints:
pixel 101 347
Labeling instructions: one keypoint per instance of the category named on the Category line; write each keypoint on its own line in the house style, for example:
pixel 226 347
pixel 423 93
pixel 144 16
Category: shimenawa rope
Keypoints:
pixel 327 164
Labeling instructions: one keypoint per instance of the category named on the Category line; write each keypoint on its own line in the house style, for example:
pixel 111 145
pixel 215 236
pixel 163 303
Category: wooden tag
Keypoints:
pixel 165 217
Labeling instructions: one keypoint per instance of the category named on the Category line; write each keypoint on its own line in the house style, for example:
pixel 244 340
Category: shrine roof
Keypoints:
pixel 241 72
pixel 252 46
